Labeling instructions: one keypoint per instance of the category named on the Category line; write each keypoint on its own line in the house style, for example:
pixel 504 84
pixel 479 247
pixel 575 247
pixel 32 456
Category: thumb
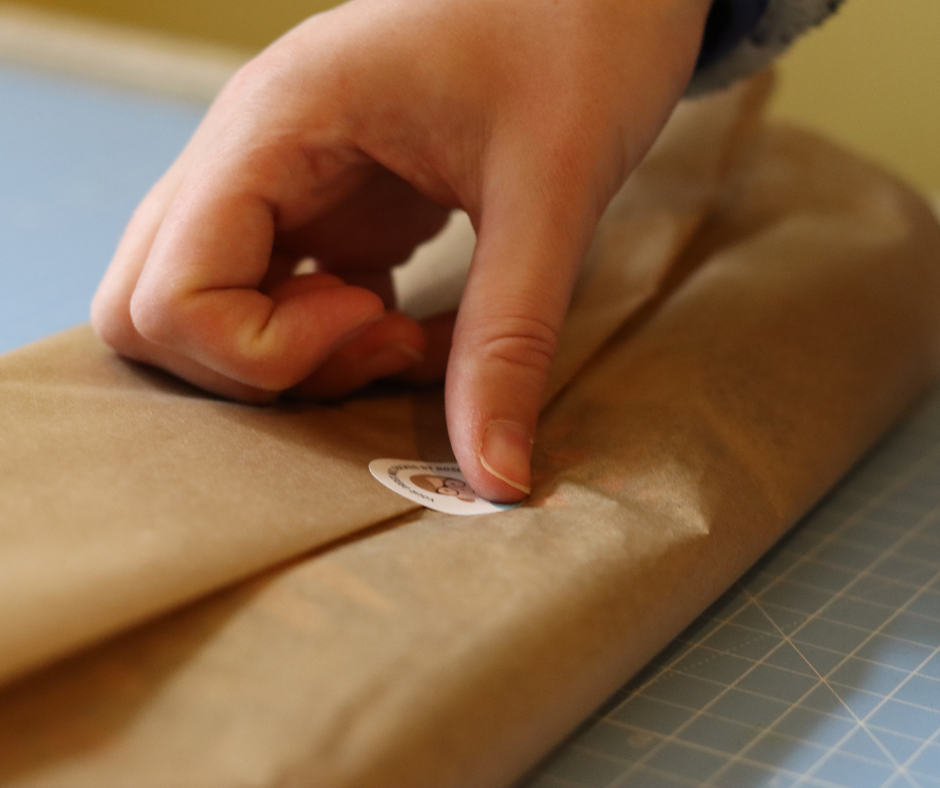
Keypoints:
pixel 531 241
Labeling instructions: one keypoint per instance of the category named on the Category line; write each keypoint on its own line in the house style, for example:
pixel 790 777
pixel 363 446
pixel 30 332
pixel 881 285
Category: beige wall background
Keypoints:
pixel 870 77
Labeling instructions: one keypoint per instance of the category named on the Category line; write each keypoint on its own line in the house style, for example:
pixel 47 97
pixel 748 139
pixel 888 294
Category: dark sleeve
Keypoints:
pixel 743 36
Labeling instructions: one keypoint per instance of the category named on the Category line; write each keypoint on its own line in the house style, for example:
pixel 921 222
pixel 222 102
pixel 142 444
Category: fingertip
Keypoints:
pixel 384 349
pixel 497 464
pixel 504 454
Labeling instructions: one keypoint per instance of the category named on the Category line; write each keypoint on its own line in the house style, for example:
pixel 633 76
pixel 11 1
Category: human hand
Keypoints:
pixel 350 140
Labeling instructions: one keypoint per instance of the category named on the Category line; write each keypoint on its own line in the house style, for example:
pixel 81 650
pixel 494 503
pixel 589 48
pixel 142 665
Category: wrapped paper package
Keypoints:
pixel 757 308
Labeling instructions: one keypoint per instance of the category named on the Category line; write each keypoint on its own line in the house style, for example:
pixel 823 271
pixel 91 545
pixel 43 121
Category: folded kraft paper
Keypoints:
pixel 758 307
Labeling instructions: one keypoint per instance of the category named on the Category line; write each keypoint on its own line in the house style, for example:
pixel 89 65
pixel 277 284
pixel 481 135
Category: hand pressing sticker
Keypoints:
pixel 436 485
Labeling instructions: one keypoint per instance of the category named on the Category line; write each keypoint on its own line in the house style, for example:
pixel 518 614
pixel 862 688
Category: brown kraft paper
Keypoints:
pixel 123 493
pixel 789 320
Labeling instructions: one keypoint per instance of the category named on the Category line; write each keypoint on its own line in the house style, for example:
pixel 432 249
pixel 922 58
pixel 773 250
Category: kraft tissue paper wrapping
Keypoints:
pixel 784 312
pixel 115 478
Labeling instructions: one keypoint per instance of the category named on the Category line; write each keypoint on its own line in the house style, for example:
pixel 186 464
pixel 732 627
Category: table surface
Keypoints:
pixel 75 159
pixel 821 667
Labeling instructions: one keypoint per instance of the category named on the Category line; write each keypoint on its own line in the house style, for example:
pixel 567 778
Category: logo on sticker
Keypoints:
pixel 437 485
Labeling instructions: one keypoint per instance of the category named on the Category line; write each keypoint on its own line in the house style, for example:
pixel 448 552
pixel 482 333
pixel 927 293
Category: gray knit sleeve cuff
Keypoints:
pixel 781 23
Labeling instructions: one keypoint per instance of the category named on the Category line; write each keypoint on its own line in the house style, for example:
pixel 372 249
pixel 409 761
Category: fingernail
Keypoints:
pixel 361 329
pixel 390 359
pixel 505 453
pixel 416 356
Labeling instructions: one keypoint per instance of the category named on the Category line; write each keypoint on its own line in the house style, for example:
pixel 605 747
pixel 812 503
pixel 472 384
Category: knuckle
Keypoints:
pixel 113 325
pixel 154 318
pixel 521 341
pixel 254 77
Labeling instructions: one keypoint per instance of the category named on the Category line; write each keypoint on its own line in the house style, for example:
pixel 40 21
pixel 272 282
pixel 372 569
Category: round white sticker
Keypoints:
pixel 437 485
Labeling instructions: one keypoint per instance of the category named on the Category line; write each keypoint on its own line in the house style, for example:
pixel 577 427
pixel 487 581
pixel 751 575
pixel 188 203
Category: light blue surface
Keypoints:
pixel 75 159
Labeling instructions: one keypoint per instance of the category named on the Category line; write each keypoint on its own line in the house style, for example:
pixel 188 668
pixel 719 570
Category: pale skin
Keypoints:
pixel 350 140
